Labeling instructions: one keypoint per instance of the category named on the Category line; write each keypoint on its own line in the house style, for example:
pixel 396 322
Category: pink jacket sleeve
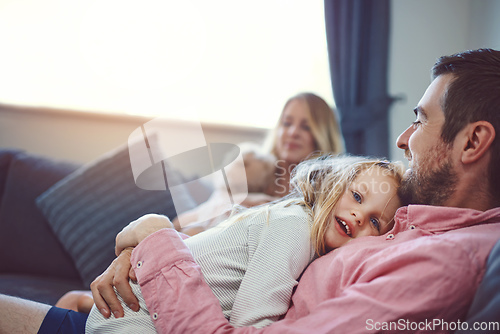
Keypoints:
pixel 173 286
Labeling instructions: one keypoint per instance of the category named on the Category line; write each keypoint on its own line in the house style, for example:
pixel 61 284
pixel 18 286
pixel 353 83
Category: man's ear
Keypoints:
pixel 478 137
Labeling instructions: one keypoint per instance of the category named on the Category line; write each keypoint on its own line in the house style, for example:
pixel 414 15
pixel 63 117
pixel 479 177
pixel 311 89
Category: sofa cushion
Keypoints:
pixel 25 232
pixel 41 289
pixel 89 207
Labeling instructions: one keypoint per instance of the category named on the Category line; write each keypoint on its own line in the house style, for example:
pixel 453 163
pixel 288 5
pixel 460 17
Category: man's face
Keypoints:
pixel 430 179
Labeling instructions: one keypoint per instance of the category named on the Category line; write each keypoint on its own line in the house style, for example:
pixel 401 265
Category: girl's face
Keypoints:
pixel 366 208
pixel 295 140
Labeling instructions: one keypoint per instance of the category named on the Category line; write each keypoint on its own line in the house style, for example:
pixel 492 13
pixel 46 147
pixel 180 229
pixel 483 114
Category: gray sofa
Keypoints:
pixel 33 262
pixel 58 221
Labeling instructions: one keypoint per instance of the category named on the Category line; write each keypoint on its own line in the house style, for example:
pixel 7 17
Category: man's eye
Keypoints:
pixel 356 196
pixel 375 223
pixel 416 124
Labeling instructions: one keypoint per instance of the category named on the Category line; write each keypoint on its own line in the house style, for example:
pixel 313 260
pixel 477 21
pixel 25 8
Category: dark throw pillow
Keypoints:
pixel 89 207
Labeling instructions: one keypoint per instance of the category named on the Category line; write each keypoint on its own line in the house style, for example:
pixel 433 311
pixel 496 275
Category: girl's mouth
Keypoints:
pixel 344 226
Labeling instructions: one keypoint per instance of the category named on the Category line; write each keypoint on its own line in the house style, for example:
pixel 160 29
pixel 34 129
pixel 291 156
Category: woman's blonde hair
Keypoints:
pixel 319 184
pixel 324 126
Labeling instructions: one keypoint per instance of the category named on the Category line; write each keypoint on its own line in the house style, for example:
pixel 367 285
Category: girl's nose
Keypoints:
pixel 358 217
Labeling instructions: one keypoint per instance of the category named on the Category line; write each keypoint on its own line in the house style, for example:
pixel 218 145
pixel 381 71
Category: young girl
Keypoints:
pixel 253 260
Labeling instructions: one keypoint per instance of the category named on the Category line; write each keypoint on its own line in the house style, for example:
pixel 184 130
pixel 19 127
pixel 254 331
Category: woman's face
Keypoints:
pixel 366 208
pixel 294 138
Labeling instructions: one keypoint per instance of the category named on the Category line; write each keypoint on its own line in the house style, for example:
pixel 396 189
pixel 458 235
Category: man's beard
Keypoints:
pixel 429 186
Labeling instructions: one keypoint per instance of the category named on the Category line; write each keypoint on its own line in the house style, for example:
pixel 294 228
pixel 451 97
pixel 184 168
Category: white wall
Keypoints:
pixel 83 137
pixel 424 30
pixel 485 24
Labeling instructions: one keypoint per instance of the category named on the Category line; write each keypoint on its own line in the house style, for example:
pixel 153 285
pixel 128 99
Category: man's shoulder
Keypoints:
pixel 455 252
pixel 476 240
pixel 439 219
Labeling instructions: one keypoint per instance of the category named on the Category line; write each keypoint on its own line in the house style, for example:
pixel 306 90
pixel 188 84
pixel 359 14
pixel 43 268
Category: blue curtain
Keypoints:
pixel 358 45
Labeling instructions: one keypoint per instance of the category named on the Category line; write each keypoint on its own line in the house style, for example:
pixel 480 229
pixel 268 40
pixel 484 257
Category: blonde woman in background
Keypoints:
pixel 307 127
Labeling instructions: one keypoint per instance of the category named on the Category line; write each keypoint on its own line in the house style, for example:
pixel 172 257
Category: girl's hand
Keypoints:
pixel 139 229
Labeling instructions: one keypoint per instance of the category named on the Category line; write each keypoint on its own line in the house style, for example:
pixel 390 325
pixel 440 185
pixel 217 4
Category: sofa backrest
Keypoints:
pixel 27 243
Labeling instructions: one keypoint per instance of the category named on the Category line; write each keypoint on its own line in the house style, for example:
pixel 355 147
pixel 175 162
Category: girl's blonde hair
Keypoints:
pixel 319 184
pixel 323 122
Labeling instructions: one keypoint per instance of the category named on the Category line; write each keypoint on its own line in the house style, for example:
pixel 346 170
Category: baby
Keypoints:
pixel 259 171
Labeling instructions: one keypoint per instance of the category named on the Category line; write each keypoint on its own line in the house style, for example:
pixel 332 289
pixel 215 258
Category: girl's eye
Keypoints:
pixel 375 222
pixel 356 196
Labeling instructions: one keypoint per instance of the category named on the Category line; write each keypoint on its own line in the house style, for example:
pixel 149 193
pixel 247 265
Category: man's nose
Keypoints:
pixel 402 141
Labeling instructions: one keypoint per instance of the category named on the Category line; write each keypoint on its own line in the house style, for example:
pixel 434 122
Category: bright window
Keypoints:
pixel 223 61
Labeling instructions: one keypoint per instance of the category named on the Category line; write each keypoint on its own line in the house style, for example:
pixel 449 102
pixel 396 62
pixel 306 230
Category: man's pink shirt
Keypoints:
pixel 426 269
